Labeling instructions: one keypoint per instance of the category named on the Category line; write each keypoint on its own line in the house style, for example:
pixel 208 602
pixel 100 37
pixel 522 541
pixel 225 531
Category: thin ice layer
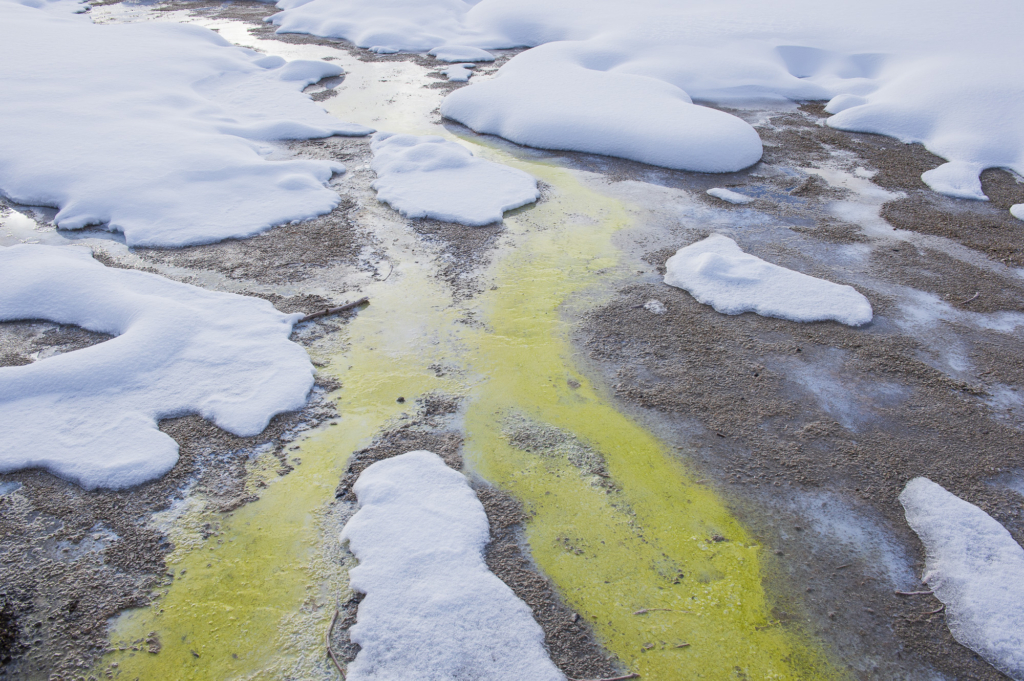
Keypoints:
pixel 976 569
pixel 156 130
pixel 955 83
pixel 729 195
pixel 718 273
pixel 90 416
pixel 433 611
pixel 427 176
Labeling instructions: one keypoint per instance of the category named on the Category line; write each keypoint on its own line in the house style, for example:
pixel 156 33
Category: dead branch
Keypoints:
pixel 913 593
pixel 617 678
pixel 936 611
pixel 330 651
pixel 964 302
pixel 333 310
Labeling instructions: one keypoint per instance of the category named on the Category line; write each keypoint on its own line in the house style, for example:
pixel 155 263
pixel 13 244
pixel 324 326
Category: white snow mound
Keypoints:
pixel 90 416
pixel 433 611
pixel 156 130
pixel 1017 211
pixel 729 195
pixel 976 569
pixel 431 177
pixel 459 73
pixel 603 68
pixel 718 273
pixel 460 53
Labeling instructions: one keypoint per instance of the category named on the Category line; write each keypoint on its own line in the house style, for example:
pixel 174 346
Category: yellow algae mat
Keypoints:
pixel 670 581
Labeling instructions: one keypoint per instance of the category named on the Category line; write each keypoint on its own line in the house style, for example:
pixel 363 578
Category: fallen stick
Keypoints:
pixel 332 310
pixel 330 651
pixel 913 593
pixel 936 611
pixel 964 302
pixel 617 678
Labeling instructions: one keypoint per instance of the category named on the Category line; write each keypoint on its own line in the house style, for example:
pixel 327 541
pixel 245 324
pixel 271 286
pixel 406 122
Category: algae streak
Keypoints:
pixel 670 581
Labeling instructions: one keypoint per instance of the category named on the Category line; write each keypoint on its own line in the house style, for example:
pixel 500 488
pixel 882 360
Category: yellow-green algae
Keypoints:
pixel 654 561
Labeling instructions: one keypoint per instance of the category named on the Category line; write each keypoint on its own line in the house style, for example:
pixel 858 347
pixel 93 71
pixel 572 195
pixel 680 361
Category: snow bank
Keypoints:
pixel 955 83
pixel 156 130
pixel 716 272
pixel 433 611
pixel 729 195
pixel 426 176
pixel 91 415
pixel 976 569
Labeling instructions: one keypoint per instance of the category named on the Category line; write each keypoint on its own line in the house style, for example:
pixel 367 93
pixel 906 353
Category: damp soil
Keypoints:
pixel 797 422
pixel 71 559
pixel 569 639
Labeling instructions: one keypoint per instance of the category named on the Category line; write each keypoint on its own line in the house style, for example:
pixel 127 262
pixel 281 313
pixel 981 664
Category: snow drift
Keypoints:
pixel 156 130
pixel 91 415
pixel 617 78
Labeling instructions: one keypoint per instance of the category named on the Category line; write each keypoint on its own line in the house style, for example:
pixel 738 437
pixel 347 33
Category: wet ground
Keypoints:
pixel 628 460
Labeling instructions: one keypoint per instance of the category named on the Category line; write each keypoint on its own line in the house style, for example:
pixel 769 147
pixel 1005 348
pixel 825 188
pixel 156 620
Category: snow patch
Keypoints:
pixel 976 569
pixel 90 416
pixel 459 73
pixel 433 610
pixel 156 130
pixel 655 307
pixel 431 177
pixel 628 70
pixel 718 273
pixel 729 195
pixel 460 53
pixel 1017 211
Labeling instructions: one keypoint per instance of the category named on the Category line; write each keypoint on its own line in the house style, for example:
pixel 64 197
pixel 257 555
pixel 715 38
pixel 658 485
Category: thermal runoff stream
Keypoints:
pixel 671 583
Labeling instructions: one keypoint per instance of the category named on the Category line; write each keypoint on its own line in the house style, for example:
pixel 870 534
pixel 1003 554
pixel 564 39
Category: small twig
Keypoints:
pixel 964 302
pixel 913 593
pixel 617 678
pixel 330 651
pixel 333 310
pixel 683 645
pixel 843 567
pixel 644 611
pixel 936 611
pixel 389 271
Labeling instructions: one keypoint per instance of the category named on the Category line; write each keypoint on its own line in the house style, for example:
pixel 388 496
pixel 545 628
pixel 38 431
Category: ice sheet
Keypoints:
pixel 91 415
pixel 433 611
pixel 718 273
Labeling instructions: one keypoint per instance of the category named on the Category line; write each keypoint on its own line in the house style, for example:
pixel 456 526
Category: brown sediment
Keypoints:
pixel 777 414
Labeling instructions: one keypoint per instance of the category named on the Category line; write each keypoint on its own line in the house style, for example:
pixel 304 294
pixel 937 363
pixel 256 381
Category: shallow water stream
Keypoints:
pixel 671 582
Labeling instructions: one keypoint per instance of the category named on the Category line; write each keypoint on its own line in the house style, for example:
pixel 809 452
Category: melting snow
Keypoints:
pixel 91 415
pixel 729 195
pixel 156 130
pixel 617 78
pixel 716 272
pixel 427 176
pixel 1017 211
pixel 976 569
pixel 460 53
pixel 433 610
pixel 459 72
